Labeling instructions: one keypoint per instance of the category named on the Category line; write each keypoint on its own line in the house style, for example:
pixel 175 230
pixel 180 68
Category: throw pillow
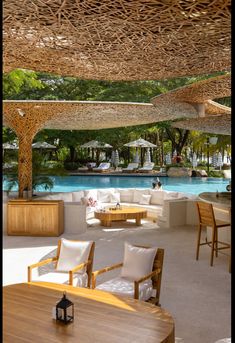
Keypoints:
pixel 137 262
pixel 145 199
pixel 72 253
pixel 91 193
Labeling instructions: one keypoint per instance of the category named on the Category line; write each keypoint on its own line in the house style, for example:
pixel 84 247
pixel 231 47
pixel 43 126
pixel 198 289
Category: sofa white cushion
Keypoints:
pixel 157 197
pixel 103 195
pixel 79 279
pixel 76 196
pixel 126 195
pixel 137 194
pixel 171 195
pixel 115 197
pixel 145 199
pixel 137 261
pixel 125 287
pixel 72 253
pixel 90 193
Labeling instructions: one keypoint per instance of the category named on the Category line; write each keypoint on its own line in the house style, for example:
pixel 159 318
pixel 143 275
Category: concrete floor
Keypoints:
pixel 198 296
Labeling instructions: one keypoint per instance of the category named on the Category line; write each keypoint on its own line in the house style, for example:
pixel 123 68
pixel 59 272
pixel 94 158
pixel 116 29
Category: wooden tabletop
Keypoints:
pixel 100 317
pixel 222 199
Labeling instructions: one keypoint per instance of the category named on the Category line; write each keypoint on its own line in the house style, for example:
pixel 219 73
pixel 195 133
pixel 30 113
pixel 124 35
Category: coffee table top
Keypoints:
pixel 123 210
pixel 99 316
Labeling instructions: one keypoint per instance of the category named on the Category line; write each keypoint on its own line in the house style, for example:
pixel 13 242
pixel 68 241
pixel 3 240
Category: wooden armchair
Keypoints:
pixel 68 266
pixel 145 288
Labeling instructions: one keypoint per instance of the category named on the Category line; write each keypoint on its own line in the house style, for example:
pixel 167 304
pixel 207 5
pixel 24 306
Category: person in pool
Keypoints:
pixel 157 184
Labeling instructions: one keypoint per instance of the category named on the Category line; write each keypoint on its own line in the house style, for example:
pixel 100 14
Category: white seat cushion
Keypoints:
pixel 79 280
pixel 125 287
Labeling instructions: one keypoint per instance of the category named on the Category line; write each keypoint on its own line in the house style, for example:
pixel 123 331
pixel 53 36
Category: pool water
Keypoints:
pixel 193 185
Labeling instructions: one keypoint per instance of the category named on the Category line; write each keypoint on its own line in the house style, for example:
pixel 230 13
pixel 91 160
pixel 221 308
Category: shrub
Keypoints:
pixel 71 165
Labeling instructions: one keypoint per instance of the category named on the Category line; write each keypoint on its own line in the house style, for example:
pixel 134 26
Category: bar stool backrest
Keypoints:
pixel 206 213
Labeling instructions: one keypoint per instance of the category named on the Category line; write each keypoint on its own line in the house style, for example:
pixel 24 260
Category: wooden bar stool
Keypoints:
pixel 207 218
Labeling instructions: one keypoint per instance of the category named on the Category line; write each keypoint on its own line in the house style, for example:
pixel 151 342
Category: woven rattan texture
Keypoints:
pixel 117 39
pixel 220 124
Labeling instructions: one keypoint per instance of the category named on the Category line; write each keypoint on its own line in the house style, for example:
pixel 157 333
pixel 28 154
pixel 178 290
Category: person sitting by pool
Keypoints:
pixel 177 158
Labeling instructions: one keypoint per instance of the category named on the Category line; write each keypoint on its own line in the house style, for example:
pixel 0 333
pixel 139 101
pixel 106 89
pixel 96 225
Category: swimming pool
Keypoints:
pixel 193 185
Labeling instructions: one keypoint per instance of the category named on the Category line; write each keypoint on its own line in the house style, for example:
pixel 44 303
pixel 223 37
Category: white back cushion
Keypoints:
pixel 126 195
pixel 137 194
pixel 137 262
pixel 76 196
pixel 115 197
pixel 145 199
pixel 91 193
pixel 73 253
pixel 103 195
pixel 157 197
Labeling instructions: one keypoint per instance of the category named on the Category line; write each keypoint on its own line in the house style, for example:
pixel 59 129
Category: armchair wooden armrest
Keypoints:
pixel 38 264
pixel 103 270
pixel 75 269
pixel 146 277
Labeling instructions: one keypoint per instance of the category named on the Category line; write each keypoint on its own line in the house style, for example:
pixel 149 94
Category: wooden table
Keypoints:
pixel 99 317
pixel 125 213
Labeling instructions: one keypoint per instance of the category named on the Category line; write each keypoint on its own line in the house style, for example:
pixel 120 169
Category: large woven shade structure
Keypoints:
pixel 26 118
pixel 117 40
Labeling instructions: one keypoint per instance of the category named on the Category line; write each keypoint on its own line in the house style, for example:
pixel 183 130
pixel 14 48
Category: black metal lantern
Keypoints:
pixel 65 310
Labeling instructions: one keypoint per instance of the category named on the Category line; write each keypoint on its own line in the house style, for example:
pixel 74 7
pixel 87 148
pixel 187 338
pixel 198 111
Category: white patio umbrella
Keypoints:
pixel 43 145
pixel 214 160
pixel 10 146
pixel 219 160
pixel 96 145
pixel 194 160
pixel 148 156
pixel 140 143
pixel 116 158
pixel 168 158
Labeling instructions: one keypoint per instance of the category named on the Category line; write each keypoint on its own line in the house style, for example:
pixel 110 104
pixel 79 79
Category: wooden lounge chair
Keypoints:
pixel 103 167
pixel 132 167
pixel 72 264
pixel 145 287
pixel 147 167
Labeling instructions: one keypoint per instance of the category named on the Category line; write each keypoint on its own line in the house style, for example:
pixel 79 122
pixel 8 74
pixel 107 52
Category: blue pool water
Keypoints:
pixel 193 185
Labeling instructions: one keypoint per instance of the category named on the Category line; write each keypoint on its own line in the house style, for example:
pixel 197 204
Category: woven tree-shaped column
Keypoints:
pixel 26 121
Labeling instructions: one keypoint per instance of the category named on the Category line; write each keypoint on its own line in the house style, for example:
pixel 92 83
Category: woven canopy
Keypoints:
pixel 191 101
pixel 220 124
pixel 117 40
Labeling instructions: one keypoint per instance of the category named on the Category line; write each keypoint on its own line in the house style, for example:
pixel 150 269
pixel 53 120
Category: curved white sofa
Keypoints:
pixel 167 208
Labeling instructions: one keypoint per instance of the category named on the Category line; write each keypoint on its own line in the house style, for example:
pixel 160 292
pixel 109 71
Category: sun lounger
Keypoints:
pixel 130 168
pixel 103 167
pixel 147 167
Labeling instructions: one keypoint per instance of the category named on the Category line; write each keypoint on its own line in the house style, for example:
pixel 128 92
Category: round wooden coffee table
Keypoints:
pixel 106 218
